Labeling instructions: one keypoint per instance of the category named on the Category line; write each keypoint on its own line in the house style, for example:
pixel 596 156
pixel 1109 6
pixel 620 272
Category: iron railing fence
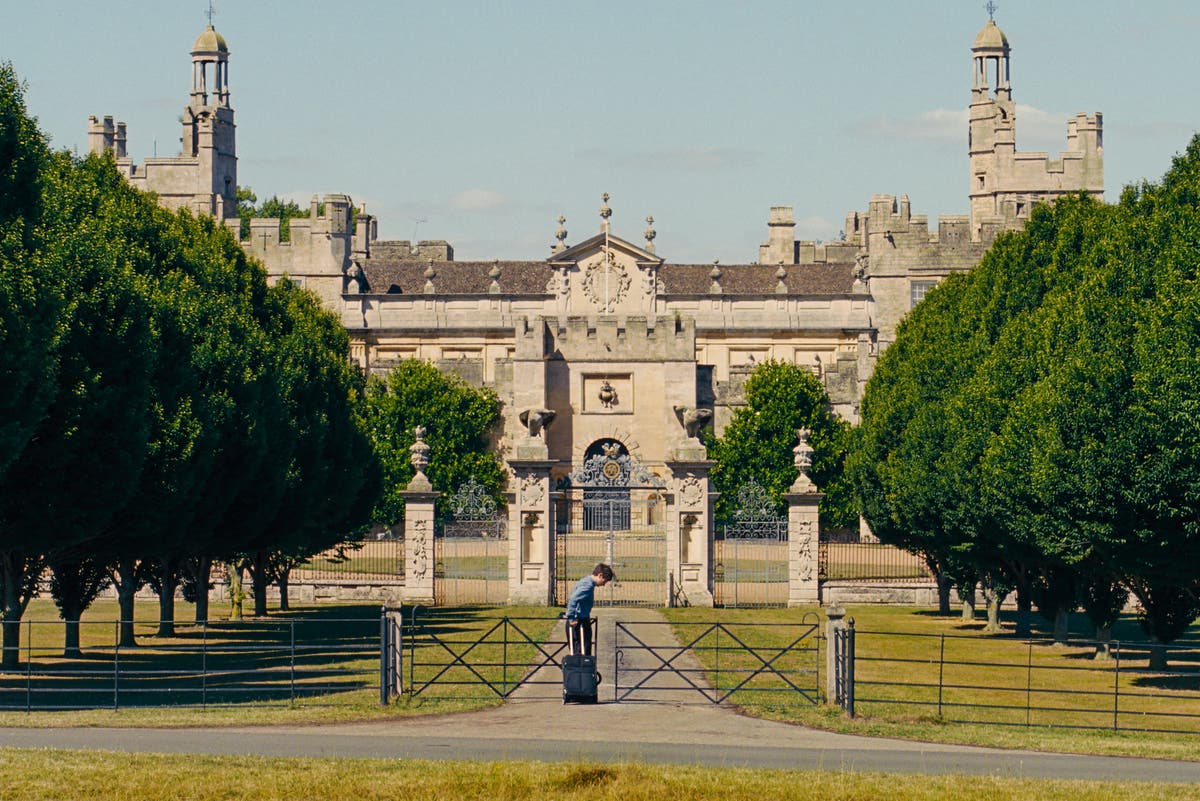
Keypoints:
pixel 377 559
pixel 313 661
pixel 869 561
pixel 1027 682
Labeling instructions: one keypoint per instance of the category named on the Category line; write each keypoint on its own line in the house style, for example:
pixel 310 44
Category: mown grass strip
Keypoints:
pixel 46 774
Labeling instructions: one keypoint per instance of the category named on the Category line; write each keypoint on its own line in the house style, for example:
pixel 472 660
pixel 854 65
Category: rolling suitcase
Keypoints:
pixel 580 678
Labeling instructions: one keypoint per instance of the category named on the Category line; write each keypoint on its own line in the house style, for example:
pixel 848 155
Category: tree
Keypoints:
pixel 91 441
pixel 782 397
pixel 459 420
pixel 273 207
pixel 30 297
pixel 332 482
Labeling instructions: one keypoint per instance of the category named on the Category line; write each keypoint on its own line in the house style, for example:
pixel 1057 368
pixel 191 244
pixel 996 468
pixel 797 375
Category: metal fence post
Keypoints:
pixel 849 634
pixel 204 664
pixel 293 662
pixel 1029 685
pixel 835 620
pixel 117 666
pixel 384 655
pixel 1117 687
pixel 941 672
pixel 28 666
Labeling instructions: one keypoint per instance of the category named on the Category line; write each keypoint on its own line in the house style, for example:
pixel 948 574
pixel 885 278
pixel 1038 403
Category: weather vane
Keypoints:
pixel 991 10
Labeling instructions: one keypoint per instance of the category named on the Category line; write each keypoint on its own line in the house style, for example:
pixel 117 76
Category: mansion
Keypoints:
pixel 606 346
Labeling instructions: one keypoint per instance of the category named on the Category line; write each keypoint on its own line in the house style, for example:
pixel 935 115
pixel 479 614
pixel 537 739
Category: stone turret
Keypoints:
pixel 203 177
pixel 1005 183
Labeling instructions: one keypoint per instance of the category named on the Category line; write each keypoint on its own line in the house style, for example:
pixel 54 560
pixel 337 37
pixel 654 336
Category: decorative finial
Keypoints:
pixel 430 274
pixel 802 458
pixel 650 233
pixel 560 235
pixel 210 13
pixel 780 274
pixel 419 451
pixel 715 275
pixel 991 10
pixel 494 274
pixel 605 212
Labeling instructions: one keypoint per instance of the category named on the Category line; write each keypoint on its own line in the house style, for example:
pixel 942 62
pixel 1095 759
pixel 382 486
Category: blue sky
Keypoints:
pixel 488 120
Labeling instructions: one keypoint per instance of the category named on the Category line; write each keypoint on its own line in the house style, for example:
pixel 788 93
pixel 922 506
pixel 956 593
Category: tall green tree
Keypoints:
pixel 90 445
pixel 332 480
pixel 782 397
pixel 460 422
pixel 31 296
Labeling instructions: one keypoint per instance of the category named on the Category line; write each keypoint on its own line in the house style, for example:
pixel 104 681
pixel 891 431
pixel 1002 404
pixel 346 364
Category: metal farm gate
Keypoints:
pixel 750 552
pixel 470 552
pixel 613 510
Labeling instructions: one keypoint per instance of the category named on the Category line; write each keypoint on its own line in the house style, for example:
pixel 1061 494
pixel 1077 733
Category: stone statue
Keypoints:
pixel 535 420
pixel 692 419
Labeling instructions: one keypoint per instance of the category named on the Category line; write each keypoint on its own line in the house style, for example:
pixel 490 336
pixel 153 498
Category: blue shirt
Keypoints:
pixel 579 605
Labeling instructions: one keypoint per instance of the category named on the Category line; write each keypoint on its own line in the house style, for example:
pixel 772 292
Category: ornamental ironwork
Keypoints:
pixel 613 471
pixel 756 515
pixel 472 502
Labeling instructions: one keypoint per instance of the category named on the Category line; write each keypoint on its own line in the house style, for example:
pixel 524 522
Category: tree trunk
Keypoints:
pixel 993 612
pixel 282 581
pixel 1062 626
pixel 1024 612
pixel 968 604
pixel 1158 656
pixel 13 570
pixel 237 595
pixel 943 591
pixel 168 580
pixel 259 576
pixel 126 590
pixel 126 580
pixel 71 648
pixel 203 572
pixel 1103 643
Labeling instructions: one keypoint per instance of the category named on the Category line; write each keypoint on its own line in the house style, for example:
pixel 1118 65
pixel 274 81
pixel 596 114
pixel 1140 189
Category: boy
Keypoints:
pixel 579 610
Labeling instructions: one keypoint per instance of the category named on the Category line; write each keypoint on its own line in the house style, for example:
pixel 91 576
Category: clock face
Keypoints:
pixel 611 470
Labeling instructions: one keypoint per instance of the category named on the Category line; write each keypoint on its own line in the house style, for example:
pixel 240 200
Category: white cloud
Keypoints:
pixel 680 159
pixel 475 199
pixel 1034 125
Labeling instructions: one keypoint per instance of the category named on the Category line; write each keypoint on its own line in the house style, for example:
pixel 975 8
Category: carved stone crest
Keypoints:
pixel 606 282
pixel 691 492
pixel 532 491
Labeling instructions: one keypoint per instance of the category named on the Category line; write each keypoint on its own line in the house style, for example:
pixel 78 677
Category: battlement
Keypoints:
pixel 635 338
pixel 105 137
pixel 782 247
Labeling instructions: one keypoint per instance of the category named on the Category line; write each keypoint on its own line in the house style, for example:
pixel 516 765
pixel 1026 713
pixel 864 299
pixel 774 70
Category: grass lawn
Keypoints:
pixel 899 661
pixel 34 775
pixel 239 673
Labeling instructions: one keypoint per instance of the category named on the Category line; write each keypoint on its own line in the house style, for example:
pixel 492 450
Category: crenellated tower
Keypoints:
pixel 203 177
pixel 1005 183
pixel 208 129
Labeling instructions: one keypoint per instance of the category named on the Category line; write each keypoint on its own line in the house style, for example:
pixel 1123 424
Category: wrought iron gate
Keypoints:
pixel 471 551
pixel 613 510
pixel 750 552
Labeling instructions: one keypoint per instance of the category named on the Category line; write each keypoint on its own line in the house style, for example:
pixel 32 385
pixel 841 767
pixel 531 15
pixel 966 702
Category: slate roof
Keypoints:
pixel 530 277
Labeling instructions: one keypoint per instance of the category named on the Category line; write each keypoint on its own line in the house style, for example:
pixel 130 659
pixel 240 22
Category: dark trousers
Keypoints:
pixel 579 638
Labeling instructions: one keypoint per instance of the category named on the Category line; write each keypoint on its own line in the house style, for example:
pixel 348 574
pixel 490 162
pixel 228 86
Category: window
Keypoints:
pixel 917 290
